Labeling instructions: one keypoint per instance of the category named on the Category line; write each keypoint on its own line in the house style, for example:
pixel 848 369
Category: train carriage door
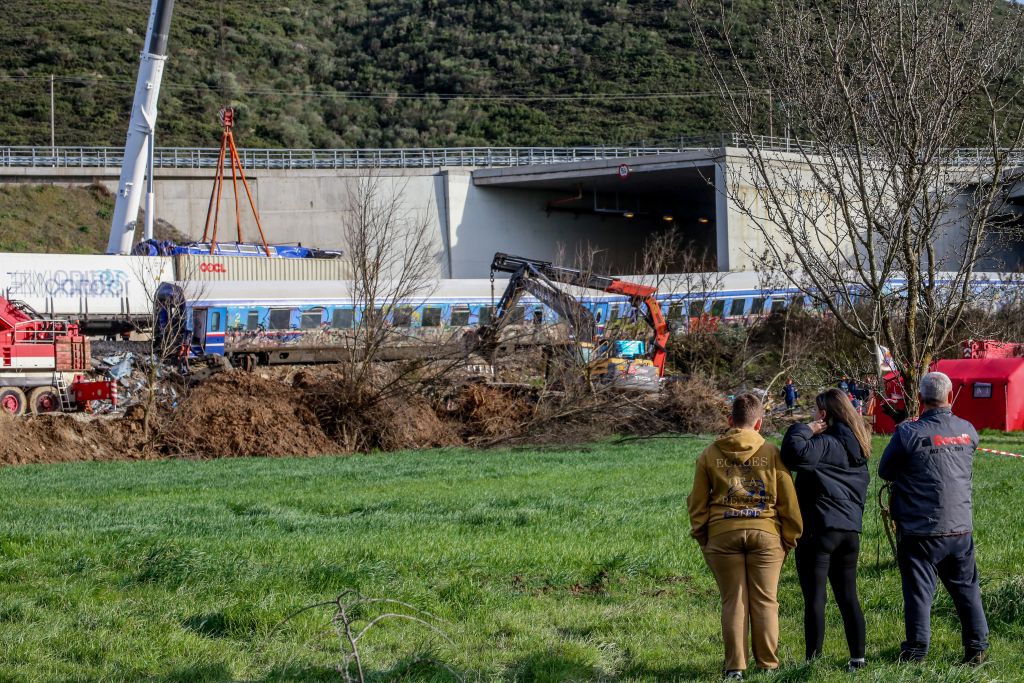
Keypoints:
pixel 199 317
pixel 216 326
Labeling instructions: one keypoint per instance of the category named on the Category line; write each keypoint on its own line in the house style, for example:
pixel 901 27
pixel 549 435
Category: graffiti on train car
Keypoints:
pixel 98 283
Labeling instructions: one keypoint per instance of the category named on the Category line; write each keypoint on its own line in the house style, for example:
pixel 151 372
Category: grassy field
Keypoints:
pixel 545 566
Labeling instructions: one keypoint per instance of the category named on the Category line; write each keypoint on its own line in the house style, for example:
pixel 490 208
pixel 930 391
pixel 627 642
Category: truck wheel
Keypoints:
pixel 12 400
pixel 44 400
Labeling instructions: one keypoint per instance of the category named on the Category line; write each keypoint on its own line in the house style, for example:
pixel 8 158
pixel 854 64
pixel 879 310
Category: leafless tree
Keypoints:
pixel 906 117
pixel 394 258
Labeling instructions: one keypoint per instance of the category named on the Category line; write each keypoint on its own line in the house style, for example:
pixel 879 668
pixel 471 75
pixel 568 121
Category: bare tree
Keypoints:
pixel 912 109
pixel 394 259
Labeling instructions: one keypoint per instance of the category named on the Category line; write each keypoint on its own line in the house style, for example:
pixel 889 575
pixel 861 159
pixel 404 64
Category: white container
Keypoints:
pixel 104 293
pixel 204 268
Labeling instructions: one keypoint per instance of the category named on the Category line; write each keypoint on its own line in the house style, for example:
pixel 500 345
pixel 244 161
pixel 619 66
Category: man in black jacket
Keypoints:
pixel 929 462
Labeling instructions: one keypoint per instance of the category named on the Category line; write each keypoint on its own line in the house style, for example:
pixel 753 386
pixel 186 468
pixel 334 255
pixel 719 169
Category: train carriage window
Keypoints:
pixel 460 316
pixel 718 308
pixel 613 313
pixel 402 317
pixel 215 321
pixel 538 316
pixel 757 305
pixel 311 320
pixel 280 318
pixel 431 316
pixel 675 311
pixel 484 316
pixel 736 309
pixel 343 319
pixel 696 309
pixel 252 321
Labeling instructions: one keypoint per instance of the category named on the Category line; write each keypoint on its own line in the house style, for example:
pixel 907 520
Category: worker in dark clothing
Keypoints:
pixel 791 394
pixel 830 457
pixel 929 462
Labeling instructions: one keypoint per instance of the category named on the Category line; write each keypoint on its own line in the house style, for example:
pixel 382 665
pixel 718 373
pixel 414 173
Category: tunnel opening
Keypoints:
pixel 620 222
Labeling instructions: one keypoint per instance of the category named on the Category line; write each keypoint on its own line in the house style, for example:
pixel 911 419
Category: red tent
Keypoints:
pixel 987 392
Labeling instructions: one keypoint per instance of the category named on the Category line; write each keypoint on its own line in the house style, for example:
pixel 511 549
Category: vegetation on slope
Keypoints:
pixel 546 566
pixel 287 66
pixel 53 219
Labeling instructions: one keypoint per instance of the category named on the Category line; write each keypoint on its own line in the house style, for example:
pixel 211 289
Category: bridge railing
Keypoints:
pixel 207 157
pixel 426 157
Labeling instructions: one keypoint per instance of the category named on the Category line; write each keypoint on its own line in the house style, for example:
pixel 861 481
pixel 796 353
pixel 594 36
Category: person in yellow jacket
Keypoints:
pixel 744 514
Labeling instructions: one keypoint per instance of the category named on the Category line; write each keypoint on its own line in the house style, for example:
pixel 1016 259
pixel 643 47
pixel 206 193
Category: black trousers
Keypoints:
pixel 950 558
pixel 830 556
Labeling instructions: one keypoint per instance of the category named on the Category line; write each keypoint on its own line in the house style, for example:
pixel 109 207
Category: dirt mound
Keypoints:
pixel 364 411
pixel 488 412
pixel 693 405
pixel 238 414
pixel 66 438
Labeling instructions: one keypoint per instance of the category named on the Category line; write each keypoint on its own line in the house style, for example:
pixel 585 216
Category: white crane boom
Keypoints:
pixel 138 148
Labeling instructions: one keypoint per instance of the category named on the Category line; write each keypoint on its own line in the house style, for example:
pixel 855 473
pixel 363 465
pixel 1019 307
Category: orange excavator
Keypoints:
pixel 626 364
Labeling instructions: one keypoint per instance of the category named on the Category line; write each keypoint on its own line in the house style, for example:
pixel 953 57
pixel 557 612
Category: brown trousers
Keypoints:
pixel 747 564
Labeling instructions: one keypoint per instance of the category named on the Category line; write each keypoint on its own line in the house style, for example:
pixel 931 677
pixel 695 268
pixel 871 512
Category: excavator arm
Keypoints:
pixel 539 278
pixel 528 279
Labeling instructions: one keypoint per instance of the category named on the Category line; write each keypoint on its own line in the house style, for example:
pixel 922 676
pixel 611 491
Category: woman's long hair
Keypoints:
pixel 838 408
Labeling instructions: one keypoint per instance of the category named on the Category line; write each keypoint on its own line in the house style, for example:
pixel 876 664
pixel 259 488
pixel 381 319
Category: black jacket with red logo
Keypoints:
pixel 929 463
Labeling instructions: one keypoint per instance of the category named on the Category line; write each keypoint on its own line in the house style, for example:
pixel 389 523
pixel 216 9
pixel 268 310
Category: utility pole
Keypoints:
pixel 53 135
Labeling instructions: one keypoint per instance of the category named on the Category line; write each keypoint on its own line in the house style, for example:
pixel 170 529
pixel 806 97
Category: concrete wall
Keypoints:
pixel 484 220
pixel 305 206
pixel 468 222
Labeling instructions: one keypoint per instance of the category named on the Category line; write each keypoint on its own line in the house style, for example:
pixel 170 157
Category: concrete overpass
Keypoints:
pixel 539 202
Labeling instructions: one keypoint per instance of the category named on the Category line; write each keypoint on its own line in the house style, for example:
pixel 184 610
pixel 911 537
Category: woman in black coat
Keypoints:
pixel 830 457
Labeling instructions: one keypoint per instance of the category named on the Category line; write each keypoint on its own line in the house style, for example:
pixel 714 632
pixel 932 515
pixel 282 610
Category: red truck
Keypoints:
pixel 43 364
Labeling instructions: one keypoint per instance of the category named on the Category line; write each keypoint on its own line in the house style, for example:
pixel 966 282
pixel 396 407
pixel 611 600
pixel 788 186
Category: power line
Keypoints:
pixel 364 95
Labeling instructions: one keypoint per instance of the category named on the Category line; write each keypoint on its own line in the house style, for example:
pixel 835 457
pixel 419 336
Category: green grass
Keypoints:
pixel 546 566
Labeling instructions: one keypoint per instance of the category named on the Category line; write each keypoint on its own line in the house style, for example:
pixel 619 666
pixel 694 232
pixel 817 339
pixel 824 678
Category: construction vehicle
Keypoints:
pixel 43 364
pixel 621 363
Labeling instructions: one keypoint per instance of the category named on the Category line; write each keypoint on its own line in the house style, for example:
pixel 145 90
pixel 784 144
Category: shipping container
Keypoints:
pixel 104 294
pixel 205 268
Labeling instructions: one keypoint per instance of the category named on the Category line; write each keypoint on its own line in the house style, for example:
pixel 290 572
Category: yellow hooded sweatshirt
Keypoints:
pixel 740 483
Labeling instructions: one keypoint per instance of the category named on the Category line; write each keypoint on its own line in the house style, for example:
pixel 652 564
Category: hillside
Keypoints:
pixel 284 66
pixel 51 219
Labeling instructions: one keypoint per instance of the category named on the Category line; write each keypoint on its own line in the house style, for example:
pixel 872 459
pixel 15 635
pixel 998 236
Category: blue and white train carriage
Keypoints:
pixel 288 322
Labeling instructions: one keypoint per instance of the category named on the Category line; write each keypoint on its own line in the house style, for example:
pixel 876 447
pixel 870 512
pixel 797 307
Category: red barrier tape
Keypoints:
pixel 994 452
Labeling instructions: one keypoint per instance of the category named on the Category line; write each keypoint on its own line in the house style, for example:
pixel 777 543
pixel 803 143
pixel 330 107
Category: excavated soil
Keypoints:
pixel 318 411
pixel 237 414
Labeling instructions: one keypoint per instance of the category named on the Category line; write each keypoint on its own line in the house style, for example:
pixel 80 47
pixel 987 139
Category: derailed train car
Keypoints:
pixel 267 323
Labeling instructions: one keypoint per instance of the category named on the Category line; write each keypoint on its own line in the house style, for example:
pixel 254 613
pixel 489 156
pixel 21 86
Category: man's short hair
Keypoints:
pixel 935 387
pixel 746 410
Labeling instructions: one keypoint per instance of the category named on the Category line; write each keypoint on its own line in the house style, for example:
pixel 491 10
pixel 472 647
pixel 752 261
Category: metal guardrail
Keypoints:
pixel 207 157
pixel 426 157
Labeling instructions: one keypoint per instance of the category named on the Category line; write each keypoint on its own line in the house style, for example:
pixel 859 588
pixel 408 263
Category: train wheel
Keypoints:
pixel 12 400
pixel 44 400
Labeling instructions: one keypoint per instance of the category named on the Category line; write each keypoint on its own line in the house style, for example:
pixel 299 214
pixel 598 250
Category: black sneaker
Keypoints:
pixel 907 657
pixel 855 665
pixel 734 675
pixel 974 657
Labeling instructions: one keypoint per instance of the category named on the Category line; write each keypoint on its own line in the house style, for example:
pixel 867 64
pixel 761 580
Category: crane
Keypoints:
pixel 138 147
pixel 541 279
